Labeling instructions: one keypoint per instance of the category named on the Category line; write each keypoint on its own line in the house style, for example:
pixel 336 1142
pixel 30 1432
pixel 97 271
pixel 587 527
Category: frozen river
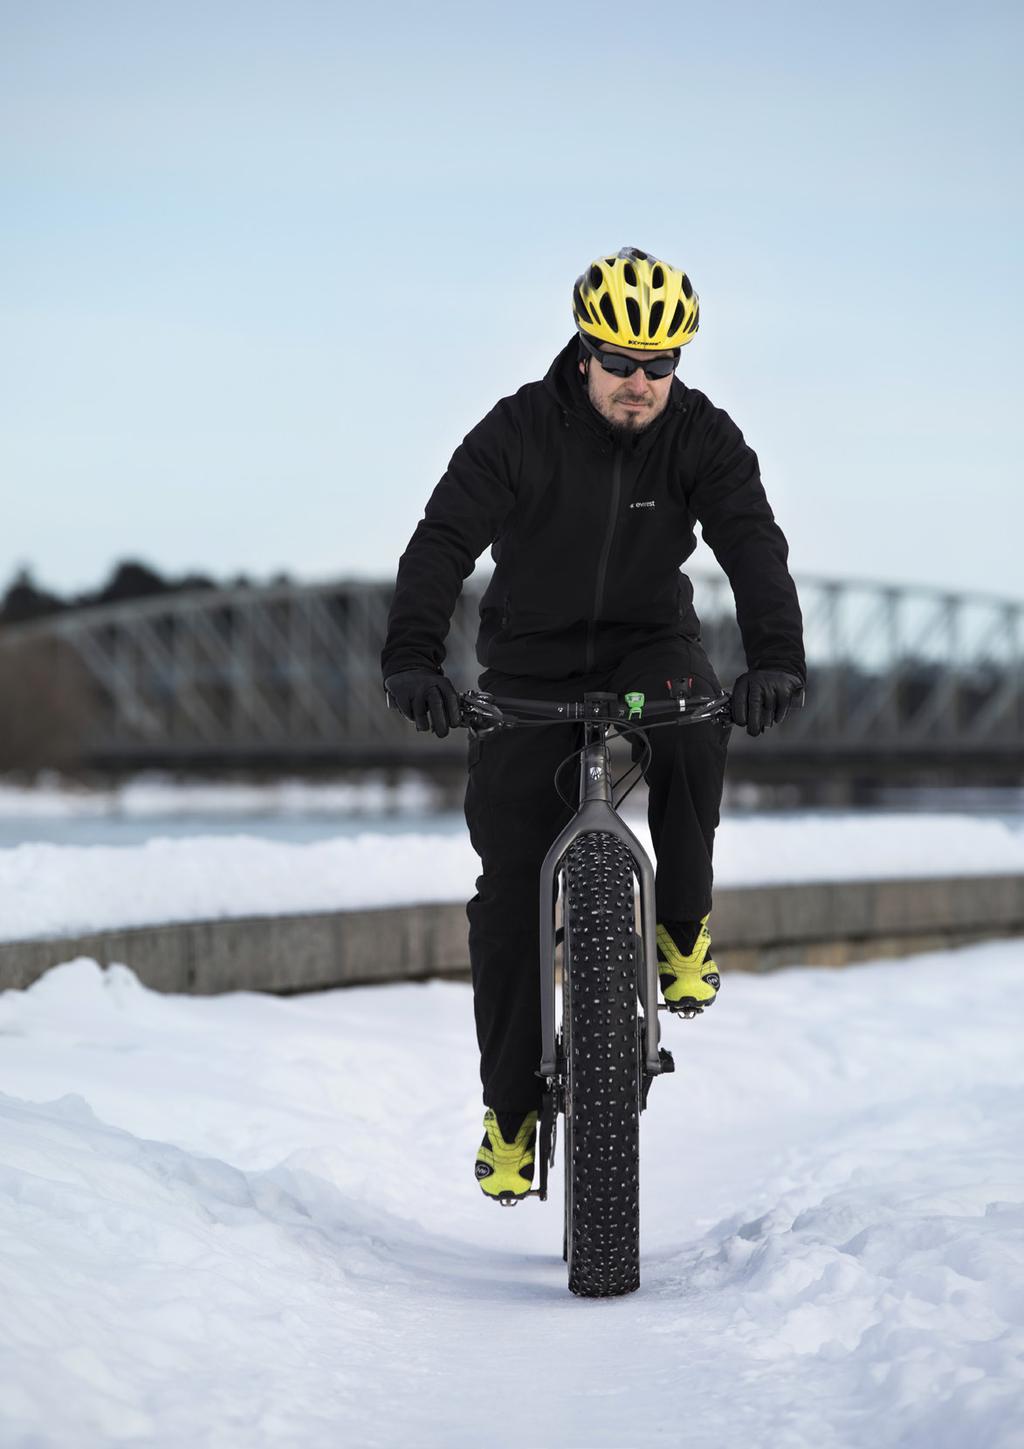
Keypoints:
pixel 301 812
pixel 152 806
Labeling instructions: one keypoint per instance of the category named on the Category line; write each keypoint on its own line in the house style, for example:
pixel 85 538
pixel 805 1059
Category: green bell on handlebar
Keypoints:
pixel 635 700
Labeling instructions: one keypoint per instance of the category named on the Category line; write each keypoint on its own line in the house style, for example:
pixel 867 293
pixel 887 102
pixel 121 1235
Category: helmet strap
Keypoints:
pixel 582 355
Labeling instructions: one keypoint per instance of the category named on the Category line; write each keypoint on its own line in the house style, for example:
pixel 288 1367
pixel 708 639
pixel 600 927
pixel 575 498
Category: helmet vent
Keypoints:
pixel 578 303
pixel 687 287
pixel 657 278
pixel 595 276
pixel 633 313
pixel 677 319
pixel 629 273
pixel 608 312
pixel 654 321
pixel 640 256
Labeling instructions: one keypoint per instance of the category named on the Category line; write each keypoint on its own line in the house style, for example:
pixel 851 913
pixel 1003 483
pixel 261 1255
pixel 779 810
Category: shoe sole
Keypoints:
pixel 507 1199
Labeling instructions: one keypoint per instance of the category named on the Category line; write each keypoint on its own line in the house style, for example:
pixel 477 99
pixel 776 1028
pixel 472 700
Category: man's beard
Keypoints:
pixel 625 433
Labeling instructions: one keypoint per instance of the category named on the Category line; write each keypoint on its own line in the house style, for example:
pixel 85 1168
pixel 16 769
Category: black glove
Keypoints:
pixel 761 698
pixel 429 700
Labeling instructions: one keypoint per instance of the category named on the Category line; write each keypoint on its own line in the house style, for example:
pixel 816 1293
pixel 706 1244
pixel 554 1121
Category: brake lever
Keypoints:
pixel 475 705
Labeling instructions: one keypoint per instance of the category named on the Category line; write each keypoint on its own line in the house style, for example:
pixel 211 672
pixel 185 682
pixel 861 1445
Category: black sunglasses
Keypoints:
pixel 621 366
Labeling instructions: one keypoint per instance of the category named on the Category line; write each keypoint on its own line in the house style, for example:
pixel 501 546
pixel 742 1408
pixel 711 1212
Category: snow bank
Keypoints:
pixel 244 1221
pixel 56 890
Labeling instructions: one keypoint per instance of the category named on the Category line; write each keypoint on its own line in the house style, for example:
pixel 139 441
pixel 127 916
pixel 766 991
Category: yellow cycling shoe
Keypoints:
pixel 504 1166
pixel 688 982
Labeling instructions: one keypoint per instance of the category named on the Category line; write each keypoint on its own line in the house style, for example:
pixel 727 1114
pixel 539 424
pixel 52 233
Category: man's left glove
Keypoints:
pixel 429 700
pixel 761 698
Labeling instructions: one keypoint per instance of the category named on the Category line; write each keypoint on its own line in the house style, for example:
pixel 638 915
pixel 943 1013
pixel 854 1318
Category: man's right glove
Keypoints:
pixel 761 698
pixel 429 700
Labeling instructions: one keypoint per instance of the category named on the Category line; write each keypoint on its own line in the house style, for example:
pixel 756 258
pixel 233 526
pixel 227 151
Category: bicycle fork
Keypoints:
pixel 596 812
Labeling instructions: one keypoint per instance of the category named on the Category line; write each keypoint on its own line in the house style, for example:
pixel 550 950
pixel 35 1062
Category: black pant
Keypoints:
pixel 514 813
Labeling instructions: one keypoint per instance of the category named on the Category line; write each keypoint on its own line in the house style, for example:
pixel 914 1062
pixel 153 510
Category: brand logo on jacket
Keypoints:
pixel 642 503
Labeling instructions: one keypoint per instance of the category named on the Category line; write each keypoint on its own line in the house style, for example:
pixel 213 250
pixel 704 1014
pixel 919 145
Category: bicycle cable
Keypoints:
pixel 621 730
pixel 639 765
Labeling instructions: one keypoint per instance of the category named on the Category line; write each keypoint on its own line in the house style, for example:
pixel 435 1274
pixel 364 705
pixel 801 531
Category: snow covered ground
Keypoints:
pixel 245 1221
pixel 57 890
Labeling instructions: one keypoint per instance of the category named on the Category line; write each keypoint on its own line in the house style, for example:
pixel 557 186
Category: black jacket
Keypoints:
pixel 588 536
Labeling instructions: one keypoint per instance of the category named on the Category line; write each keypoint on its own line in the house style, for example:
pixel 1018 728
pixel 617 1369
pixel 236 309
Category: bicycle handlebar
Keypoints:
pixel 479 708
pixel 496 711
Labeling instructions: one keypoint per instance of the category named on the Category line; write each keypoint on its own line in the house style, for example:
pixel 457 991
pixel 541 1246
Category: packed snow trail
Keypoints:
pixel 246 1221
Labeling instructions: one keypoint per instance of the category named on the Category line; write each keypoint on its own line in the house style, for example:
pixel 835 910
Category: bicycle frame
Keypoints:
pixel 596 812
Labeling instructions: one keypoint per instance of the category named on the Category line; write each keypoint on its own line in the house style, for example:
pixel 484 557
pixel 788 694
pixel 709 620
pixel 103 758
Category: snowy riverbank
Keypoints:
pixel 246 1221
pixel 50 890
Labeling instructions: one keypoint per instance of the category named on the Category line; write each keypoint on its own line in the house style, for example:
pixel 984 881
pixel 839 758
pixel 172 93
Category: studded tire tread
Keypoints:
pixel 603 1116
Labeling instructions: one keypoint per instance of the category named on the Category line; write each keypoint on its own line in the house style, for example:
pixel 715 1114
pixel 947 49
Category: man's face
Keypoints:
pixel 631 403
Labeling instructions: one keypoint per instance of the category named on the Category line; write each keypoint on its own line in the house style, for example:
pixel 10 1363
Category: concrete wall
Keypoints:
pixel 755 929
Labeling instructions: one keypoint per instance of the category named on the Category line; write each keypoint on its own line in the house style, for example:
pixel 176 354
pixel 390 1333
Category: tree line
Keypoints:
pixel 24 600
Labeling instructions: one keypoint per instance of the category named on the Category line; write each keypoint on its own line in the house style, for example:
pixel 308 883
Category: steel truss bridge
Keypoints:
pixel 905 682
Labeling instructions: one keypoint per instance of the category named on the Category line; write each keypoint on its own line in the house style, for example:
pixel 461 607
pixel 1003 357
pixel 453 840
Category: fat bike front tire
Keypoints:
pixel 602 1086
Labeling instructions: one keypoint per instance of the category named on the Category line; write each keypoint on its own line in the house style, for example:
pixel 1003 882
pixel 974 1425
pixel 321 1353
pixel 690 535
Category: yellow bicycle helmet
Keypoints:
pixel 634 300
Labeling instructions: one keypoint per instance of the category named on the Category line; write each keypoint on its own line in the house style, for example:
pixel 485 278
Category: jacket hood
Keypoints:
pixel 563 381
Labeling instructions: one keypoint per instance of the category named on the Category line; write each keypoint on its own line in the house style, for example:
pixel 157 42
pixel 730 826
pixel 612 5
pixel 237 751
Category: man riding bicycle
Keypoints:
pixel 587 486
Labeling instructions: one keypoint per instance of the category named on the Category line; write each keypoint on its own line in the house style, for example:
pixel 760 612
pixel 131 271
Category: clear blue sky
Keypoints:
pixel 263 265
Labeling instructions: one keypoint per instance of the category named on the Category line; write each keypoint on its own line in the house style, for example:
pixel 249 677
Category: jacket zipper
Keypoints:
pixel 602 565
